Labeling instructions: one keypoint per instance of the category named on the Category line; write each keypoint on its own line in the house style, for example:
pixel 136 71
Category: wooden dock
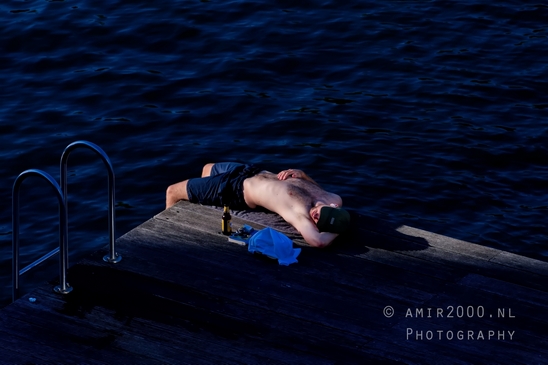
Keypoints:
pixel 383 294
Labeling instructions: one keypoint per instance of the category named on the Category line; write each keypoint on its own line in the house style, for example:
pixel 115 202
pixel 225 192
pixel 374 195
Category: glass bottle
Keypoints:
pixel 226 226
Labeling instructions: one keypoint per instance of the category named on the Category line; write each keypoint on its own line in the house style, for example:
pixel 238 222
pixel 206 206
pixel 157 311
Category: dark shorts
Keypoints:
pixel 223 187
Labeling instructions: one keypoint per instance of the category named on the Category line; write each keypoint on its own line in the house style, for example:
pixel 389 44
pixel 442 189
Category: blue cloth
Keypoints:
pixel 275 245
pixel 223 187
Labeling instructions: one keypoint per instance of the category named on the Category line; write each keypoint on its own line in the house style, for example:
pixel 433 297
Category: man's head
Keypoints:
pixel 329 218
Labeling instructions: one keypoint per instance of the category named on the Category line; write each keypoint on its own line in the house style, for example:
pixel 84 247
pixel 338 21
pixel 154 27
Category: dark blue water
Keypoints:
pixel 427 113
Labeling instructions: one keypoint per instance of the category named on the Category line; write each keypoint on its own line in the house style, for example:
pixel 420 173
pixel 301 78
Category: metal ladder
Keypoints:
pixel 61 193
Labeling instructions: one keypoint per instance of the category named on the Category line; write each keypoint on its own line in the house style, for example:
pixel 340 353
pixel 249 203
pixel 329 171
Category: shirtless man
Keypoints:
pixel 298 199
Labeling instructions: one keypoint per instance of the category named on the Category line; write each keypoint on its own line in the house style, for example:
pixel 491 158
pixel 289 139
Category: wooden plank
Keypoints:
pixel 474 258
pixel 490 254
pixel 315 271
pixel 453 248
pixel 280 294
pixel 320 264
pixel 287 336
pixel 202 218
pixel 506 289
pixel 32 333
pixel 165 339
pixel 309 253
pixel 515 347
pixel 521 263
pixel 479 255
pixel 84 337
pixel 12 354
pixel 471 264
pixel 227 317
pixel 163 242
pixel 450 244
pixel 529 332
pixel 473 308
pixel 377 315
pixel 413 264
pixel 184 294
pixel 416 346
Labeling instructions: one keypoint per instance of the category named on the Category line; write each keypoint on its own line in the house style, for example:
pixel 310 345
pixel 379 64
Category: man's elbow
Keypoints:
pixel 318 239
pixel 318 243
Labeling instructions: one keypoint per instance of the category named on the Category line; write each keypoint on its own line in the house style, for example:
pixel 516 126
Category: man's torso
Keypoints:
pixel 291 196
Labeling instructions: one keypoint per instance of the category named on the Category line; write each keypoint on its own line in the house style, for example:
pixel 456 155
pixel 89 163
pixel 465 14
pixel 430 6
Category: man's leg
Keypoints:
pixel 175 193
pixel 178 191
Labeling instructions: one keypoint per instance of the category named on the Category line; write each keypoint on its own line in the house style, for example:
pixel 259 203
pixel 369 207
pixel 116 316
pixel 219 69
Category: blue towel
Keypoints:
pixel 275 245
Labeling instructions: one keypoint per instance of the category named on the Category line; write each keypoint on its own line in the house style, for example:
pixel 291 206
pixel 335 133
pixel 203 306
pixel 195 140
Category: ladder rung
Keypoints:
pixel 39 261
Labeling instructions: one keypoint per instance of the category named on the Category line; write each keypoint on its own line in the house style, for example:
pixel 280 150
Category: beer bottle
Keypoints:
pixel 225 222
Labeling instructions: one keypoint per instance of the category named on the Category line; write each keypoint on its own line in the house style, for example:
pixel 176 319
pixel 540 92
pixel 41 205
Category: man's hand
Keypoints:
pixel 291 173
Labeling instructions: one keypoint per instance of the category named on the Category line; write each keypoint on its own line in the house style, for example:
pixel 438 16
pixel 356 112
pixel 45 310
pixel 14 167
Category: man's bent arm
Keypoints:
pixel 323 240
pixel 312 236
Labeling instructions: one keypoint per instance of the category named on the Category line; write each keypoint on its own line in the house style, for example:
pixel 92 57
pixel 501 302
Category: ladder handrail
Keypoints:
pixel 63 234
pixel 61 192
pixel 113 257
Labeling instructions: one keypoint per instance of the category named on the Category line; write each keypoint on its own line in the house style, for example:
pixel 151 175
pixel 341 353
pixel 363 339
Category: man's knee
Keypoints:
pixel 177 191
pixel 206 171
pixel 170 191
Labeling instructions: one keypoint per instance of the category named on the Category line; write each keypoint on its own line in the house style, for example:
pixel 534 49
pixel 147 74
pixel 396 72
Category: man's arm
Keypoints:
pixel 311 234
pixel 295 173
